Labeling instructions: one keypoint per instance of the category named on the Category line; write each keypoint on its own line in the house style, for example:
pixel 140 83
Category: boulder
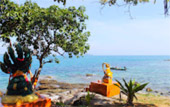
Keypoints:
pixel 53 91
pixel 44 86
pixel 47 81
pixel 95 100
pixel 161 93
pixel 55 98
pixel 149 90
pixel 156 91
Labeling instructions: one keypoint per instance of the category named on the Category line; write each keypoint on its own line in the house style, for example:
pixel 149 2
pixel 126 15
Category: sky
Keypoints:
pixel 114 32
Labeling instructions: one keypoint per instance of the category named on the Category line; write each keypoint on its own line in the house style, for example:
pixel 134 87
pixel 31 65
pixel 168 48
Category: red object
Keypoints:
pixel 107 90
pixel 20 59
pixel 41 102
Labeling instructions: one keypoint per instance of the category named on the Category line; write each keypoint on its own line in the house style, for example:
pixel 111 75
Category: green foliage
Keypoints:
pixel 46 31
pixel 84 101
pixel 130 89
pixel 63 1
pixel 61 104
pixel 113 2
pixel 134 2
pixel 88 98
pixel 12 64
pixel 9 18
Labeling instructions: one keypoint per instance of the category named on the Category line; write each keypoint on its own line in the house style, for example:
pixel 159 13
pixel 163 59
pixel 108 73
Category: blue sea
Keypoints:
pixel 152 69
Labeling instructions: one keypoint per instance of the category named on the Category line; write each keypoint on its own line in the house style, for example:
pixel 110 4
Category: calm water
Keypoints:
pixel 152 69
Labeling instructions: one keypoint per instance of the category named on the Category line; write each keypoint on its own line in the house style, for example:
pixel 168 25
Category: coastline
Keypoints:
pixel 66 92
pixel 69 93
pixel 66 85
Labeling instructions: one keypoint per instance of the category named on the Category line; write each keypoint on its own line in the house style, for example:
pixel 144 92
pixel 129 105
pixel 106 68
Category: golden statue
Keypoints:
pixel 108 75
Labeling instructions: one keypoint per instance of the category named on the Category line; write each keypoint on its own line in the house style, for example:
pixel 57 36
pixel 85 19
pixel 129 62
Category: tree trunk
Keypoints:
pixel 37 73
pixel 130 100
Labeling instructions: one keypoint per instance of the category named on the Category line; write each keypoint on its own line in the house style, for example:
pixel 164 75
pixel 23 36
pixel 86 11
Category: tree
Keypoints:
pixel 127 2
pixel 8 18
pixel 130 89
pixel 134 2
pixel 63 1
pixel 50 31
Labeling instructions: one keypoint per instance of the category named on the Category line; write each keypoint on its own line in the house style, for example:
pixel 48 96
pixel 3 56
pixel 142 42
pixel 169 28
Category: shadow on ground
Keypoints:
pixel 123 105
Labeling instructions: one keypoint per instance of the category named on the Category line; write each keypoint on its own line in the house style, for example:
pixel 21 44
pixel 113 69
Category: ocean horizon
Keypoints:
pixel 152 69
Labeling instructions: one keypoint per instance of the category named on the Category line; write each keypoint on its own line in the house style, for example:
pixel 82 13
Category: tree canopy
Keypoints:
pixel 133 2
pixel 46 31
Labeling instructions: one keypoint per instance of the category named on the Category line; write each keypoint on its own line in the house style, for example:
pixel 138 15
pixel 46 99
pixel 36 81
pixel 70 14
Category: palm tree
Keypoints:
pixel 130 89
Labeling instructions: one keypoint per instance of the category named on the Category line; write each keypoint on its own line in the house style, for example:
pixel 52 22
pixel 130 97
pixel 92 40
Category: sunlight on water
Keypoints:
pixel 152 69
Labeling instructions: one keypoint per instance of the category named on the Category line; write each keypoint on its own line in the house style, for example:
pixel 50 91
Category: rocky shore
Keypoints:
pixel 69 94
pixel 66 94
pixel 72 94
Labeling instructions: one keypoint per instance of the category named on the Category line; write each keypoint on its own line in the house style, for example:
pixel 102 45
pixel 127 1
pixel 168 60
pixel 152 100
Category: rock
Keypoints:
pixel 149 90
pixel 55 98
pixel 60 92
pixel 75 98
pixel 47 81
pixel 156 91
pixel 71 86
pixel 50 77
pixel 96 100
pixel 45 95
pixel 88 75
pixel 53 91
pixel 65 85
pixel 43 87
pixel 1 94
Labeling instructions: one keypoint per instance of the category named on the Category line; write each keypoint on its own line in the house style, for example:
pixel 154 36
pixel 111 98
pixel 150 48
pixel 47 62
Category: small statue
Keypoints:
pixel 19 89
pixel 108 75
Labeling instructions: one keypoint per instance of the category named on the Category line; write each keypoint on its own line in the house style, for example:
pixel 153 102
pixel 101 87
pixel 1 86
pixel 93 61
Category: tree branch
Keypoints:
pixel 62 54
pixel 47 48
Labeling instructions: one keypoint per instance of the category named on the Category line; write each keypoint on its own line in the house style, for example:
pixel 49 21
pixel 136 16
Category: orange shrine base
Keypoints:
pixel 41 102
pixel 105 89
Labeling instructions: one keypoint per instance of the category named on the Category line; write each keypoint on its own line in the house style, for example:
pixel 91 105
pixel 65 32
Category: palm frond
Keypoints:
pixel 135 97
pixel 127 86
pixel 131 87
pixel 125 93
pixel 119 84
pixel 121 87
pixel 140 87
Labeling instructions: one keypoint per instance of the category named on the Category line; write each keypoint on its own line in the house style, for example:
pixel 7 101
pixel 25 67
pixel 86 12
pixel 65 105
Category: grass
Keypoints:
pixel 157 100
pixel 145 100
